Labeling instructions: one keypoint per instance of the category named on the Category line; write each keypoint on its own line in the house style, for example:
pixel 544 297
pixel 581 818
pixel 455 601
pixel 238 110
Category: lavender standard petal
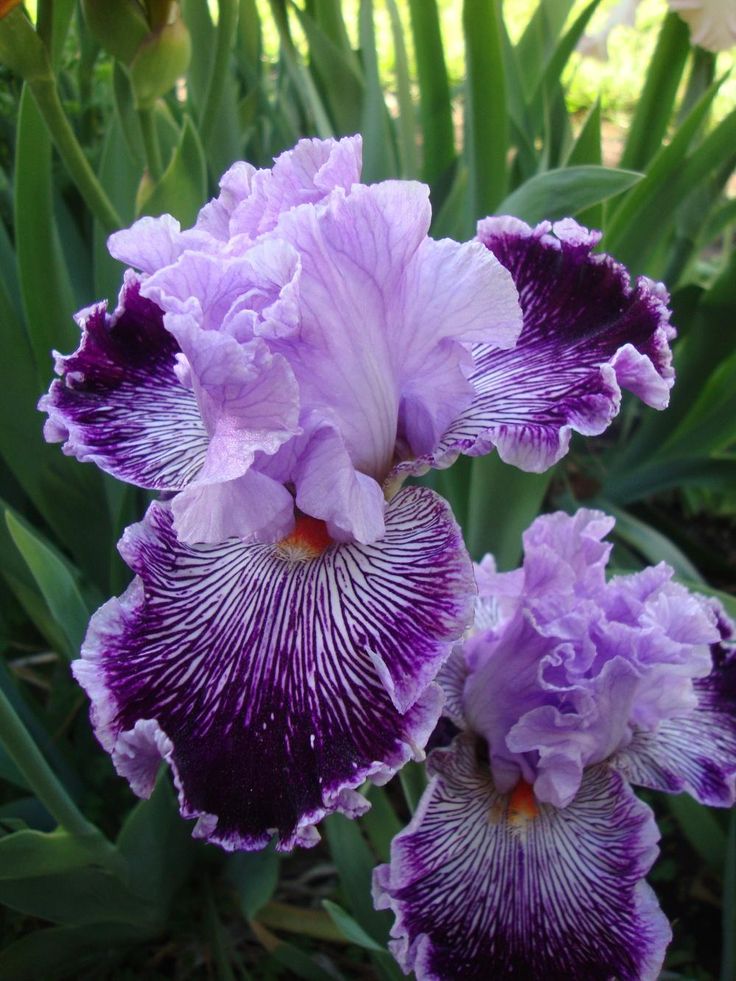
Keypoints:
pixel 486 885
pixel 277 678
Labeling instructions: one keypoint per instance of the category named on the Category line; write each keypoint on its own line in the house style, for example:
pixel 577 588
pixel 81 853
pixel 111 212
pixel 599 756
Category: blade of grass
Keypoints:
pixel 728 955
pixel 406 122
pixel 438 136
pixel 567 191
pixel 654 107
pixel 503 502
pixel 379 157
pixel 486 116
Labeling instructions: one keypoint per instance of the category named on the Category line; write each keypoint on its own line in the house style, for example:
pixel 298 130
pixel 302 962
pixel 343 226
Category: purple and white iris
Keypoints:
pixel 527 854
pixel 276 371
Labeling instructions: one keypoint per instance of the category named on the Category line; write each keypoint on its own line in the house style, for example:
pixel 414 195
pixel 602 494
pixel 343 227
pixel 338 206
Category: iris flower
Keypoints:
pixel 527 854
pixel 276 371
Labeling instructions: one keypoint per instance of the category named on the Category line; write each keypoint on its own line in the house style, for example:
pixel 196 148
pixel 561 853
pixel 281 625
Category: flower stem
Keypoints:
pixel 31 763
pixel 226 24
pixel 46 94
pixel 150 143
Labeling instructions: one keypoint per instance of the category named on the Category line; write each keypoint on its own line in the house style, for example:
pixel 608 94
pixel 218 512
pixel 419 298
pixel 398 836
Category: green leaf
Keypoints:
pixel 413 778
pixel 486 115
pixel 55 581
pixel 380 822
pixel 654 107
pixel 728 956
pixel 627 484
pixel 453 219
pixel 120 176
pixel 438 135
pixel 701 829
pixel 301 965
pixel 48 301
pixel 157 846
pixel 640 221
pixel 63 952
pixel 548 87
pixel 711 332
pixel 406 122
pixel 196 14
pixel 30 854
pixel 539 39
pixel 503 502
pixel 255 876
pixel 351 930
pixel 182 190
pixel 355 863
pixel 588 149
pixel 379 158
pixel 302 82
pixel 560 193
pixel 338 73
pixel 127 118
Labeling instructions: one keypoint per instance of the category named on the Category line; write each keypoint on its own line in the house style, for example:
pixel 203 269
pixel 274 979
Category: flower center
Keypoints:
pixel 523 805
pixel 308 540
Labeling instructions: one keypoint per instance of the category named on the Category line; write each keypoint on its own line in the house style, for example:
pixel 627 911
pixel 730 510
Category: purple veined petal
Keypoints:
pixel 588 332
pixel 277 678
pixel 486 885
pixel 696 753
pixel 119 402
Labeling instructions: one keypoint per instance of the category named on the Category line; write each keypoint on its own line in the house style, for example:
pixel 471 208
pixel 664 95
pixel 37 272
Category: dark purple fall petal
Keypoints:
pixel 486 885
pixel 119 403
pixel 588 333
pixel 697 753
pixel 277 678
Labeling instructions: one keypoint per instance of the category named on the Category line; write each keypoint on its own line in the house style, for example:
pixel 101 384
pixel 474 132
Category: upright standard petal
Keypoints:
pixel 251 200
pixel 588 333
pixel 387 315
pixel 119 402
pixel 488 885
pixel 277 678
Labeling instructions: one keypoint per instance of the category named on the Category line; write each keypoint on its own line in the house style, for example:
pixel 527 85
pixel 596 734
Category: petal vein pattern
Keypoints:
pixel 483 888
pixel 588 332
pixel 119 403
pixel 276 679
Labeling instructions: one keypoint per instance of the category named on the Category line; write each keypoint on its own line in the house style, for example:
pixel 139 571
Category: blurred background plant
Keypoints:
pixel 110 109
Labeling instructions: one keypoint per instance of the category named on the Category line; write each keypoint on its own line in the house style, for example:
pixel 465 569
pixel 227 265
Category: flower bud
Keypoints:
pixel 161 58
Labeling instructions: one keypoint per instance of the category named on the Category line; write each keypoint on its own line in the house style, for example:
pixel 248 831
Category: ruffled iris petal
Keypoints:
pixel 486 885
pixel 588 333
pixel 119 402
pixel 277 678
pixel 697 752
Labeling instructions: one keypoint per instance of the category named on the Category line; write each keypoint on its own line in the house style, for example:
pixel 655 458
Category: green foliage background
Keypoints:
pixel 497 113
